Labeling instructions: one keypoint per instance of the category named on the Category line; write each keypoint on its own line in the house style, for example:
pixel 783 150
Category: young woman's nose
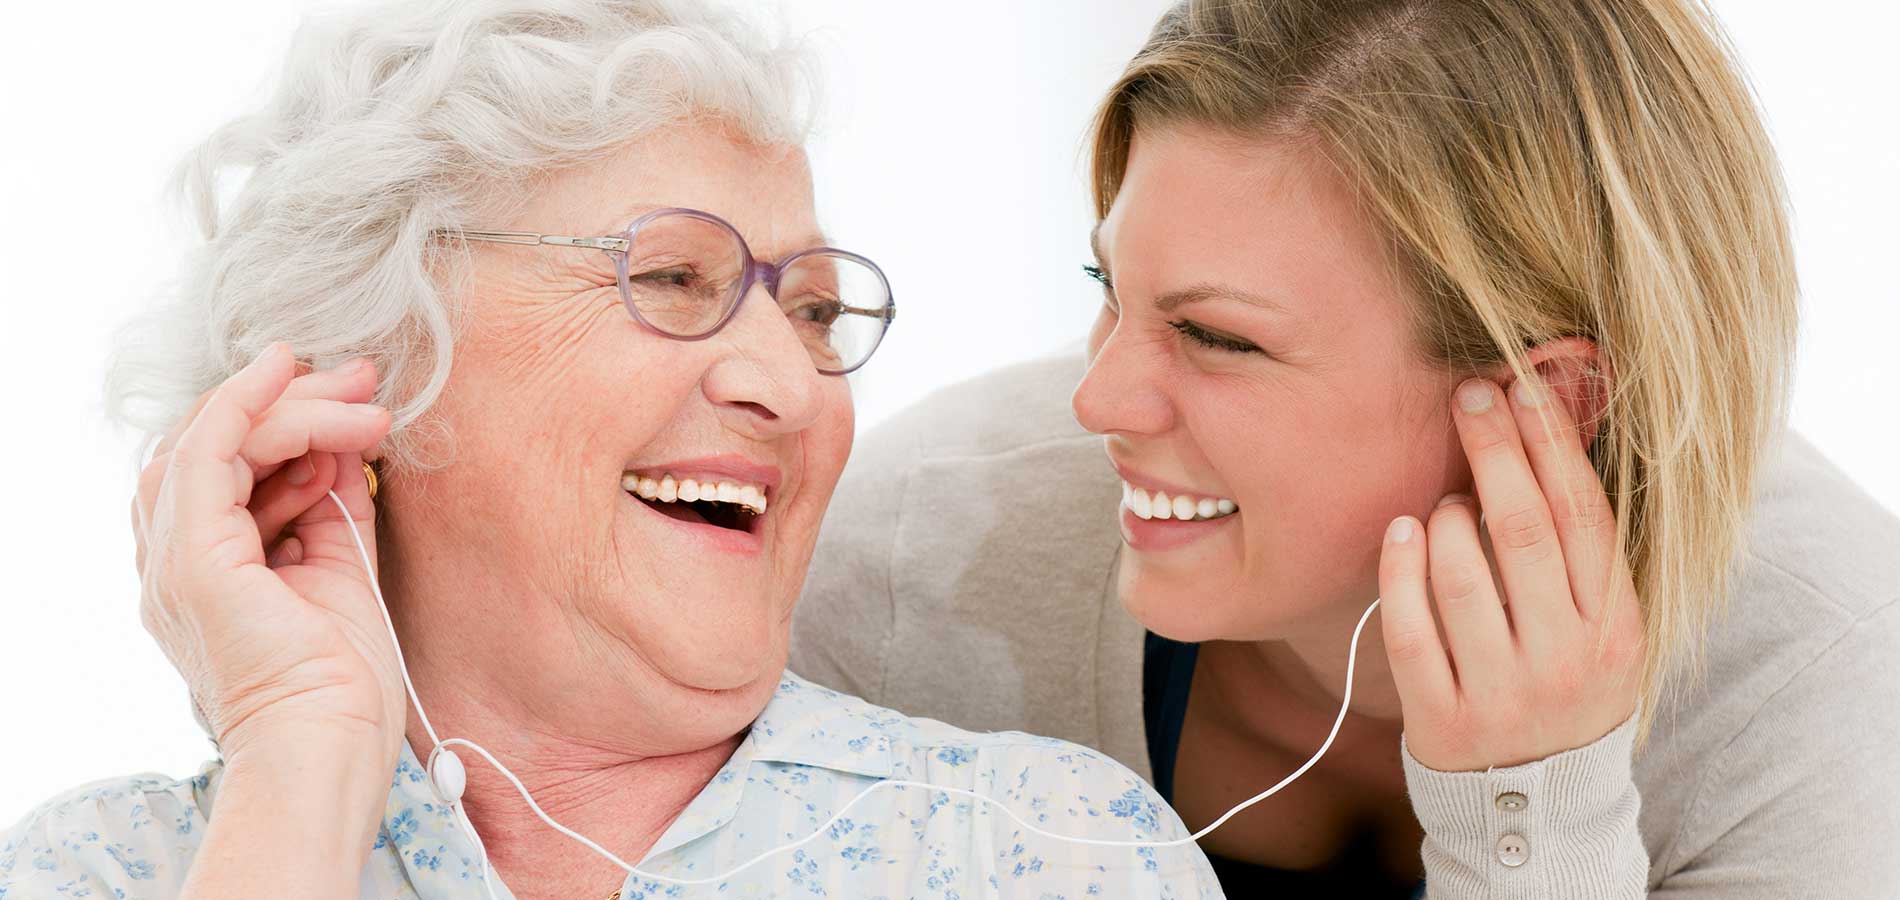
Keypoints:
pixel 1124 390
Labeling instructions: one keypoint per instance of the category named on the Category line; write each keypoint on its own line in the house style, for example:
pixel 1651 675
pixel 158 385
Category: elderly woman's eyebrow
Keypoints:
pixel 620 220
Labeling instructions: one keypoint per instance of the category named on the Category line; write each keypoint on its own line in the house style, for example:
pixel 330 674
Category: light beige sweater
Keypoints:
pixel 966 571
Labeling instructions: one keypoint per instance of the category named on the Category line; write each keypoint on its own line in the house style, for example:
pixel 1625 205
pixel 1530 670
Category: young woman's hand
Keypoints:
pixel 1547 655
pixel 251 582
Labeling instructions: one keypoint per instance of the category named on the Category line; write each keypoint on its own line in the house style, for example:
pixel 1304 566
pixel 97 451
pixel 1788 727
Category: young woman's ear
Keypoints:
pixel 1574 371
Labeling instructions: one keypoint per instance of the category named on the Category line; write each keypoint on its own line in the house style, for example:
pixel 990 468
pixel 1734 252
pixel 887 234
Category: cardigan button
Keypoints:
pixel 1513 850
pixel 1512 801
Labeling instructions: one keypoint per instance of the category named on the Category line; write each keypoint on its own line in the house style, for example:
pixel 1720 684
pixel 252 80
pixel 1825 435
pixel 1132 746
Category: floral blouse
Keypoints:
pixel 810 752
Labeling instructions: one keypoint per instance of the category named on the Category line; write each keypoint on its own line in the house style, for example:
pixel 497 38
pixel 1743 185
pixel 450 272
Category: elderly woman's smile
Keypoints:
pixel 733 499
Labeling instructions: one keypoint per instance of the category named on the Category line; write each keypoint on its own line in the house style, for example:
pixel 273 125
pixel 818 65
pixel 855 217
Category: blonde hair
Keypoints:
pixel 317 212
pixel 1548 169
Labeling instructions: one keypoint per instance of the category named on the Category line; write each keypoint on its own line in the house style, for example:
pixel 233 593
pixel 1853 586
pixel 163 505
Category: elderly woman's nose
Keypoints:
pixel 769 381
pixel 1123 391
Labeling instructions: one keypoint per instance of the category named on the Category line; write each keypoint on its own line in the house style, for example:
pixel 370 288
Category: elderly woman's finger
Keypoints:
pixel 325 533
pixel 292 428
pixel 200 477
pixel 1475 625
pixel 1530 559
pixel 298 485
pixel 1581 512
pixel 1420 667
pixel 288 552
pixel 351 384
pixel 354 381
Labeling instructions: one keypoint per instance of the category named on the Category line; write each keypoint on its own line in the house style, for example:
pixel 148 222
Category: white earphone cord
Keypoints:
pixel 441 749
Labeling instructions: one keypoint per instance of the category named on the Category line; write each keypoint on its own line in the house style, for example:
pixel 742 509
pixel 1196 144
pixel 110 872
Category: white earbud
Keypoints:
pixel 448 775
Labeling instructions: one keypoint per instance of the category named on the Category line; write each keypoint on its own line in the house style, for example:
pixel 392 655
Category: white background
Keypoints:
pixel 953 155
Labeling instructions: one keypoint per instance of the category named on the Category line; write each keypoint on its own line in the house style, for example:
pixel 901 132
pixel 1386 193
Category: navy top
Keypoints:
pixel 1167 671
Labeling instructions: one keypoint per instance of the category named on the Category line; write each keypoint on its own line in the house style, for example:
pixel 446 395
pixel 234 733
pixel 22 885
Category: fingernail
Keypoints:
pixel 368 410
pixel 1449 499
pixel 356 366
pixel 1400 532
pixel 1474 396
pixel 268 353
pixel 301 472
pixel 1527 394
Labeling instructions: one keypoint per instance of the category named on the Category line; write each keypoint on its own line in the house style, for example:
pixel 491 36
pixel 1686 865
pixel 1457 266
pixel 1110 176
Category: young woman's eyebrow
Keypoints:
pixel 1196 293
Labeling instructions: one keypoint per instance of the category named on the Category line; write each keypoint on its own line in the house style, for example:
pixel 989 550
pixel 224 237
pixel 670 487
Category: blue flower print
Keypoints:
pixel 955 756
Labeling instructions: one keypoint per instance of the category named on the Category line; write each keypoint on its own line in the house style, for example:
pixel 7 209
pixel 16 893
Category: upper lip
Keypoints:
pixel 1152 485
pixel 733 466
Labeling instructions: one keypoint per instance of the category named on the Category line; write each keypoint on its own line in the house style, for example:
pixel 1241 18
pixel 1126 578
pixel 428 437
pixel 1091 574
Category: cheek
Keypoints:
pixel 828 442
pixel 1324 472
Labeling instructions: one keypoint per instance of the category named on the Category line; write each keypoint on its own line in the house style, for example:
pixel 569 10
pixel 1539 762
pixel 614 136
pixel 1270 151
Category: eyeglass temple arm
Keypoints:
pixel 614 244
pixel 888 313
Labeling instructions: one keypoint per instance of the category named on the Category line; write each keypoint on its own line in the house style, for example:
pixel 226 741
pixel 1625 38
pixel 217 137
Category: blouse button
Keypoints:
pixel 1512 801
pixel 1513 850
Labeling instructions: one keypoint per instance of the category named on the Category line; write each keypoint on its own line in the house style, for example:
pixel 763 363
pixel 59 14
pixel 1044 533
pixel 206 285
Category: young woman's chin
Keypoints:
pixel 1189 606
pixel 1210 603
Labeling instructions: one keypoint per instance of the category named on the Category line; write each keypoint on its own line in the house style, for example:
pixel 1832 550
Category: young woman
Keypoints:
pixel 1483 307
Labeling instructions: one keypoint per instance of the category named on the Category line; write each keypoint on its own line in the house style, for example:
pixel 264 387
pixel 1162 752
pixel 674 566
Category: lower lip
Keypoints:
pixel 1155 535
pixel 712 537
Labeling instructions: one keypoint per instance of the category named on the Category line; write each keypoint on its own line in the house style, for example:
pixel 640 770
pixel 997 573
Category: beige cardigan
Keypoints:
pixel 966 571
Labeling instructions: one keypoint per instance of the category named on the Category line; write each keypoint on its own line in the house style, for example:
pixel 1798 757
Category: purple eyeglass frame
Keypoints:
pixel 756 271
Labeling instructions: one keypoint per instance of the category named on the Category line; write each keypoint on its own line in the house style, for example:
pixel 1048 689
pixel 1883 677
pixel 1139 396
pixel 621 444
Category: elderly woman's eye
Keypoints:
pixel 670 276
pixel 816 311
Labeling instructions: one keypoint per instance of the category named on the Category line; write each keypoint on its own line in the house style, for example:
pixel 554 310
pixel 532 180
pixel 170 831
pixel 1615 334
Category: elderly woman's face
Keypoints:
pixel 1263 355
pixel 558 394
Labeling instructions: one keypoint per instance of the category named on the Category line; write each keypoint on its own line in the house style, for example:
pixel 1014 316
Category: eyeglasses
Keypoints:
pixel 683 273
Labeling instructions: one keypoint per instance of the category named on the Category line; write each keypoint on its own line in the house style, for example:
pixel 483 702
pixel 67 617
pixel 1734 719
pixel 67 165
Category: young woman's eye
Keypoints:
pixel 1100 275
pixel 1213 340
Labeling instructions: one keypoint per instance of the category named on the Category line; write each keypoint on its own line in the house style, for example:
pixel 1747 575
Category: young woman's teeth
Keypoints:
pixel 667 489
pixel 1158 505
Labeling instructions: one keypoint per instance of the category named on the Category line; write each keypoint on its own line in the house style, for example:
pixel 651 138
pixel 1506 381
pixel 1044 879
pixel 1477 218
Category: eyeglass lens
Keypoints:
pixel 685 273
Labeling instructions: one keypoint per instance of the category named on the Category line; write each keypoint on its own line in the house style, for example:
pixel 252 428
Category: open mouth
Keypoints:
pixel 728 504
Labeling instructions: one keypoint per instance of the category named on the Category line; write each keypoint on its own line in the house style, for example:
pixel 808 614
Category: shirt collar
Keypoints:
pixel 803 724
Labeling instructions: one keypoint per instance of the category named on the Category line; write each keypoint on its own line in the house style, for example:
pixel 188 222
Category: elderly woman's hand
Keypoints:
pixel 251 581
pixel 1550 659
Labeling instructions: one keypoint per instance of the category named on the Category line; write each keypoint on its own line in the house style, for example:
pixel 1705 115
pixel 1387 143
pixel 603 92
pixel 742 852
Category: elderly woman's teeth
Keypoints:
pixel 1158 505
pixel 667 489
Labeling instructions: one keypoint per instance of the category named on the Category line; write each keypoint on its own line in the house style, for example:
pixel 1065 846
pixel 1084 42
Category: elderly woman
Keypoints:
pixel 556 266
pixel 1368 268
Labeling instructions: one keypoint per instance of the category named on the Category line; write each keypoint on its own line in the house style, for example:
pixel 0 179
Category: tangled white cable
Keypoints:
pixel 449 777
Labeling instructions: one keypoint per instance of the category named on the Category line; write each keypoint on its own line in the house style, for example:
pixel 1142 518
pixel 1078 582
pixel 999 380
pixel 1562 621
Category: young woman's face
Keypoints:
pixel 1256 346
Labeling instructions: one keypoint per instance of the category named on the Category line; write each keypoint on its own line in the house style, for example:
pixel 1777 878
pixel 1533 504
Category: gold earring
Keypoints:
pixel 369 475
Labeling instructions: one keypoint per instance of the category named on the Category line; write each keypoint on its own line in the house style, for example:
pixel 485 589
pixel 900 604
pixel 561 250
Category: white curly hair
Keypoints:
pixel 393 121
